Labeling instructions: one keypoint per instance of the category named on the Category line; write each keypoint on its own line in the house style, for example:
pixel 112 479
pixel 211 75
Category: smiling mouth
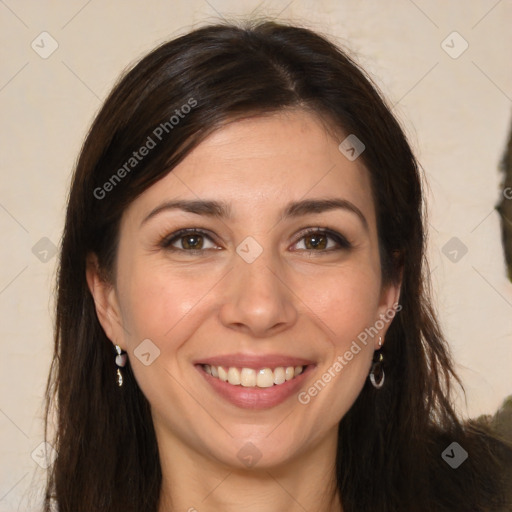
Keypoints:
pixel 252 378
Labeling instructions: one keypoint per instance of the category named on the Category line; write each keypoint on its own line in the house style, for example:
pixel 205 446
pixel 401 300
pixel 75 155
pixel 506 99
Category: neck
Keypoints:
pixel 194 482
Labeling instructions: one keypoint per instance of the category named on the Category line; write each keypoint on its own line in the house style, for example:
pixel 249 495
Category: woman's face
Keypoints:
pixel 250 290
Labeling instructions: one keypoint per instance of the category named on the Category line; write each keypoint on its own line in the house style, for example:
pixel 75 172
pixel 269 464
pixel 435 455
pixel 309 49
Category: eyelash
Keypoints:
pixel 343 243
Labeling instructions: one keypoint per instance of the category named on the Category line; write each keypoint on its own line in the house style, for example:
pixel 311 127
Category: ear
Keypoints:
pixel 105 300
pixel 388 307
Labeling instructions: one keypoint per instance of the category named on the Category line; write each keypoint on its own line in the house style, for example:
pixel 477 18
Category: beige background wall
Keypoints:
pixel 455 110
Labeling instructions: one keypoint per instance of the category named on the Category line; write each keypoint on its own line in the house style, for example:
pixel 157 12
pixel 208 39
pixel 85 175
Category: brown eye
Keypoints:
pixel 188 240
pixel 316 241
pixel 192 241
pixel 322 240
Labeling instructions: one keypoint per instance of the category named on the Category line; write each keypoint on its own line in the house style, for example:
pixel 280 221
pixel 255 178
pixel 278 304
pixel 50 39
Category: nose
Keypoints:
pixel 257 300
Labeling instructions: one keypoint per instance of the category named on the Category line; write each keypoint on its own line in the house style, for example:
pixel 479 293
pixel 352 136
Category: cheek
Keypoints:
pixel 155 298
pixel 346 303
pixel 346 300
pixel 167 305
pixel 166 308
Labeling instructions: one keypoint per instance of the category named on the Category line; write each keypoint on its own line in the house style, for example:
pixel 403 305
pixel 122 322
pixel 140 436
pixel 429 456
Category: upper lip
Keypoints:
pixel 254 361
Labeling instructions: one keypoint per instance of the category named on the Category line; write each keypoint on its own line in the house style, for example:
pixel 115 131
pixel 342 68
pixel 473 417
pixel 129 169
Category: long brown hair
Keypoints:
pixel 391 440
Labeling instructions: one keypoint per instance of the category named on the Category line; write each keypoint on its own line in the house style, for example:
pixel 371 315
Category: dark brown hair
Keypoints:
pixel 391 440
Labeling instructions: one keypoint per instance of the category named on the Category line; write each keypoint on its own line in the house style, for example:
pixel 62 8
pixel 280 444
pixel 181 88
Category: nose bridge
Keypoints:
pixel 260 275
pixel 254 257
pixel 257 298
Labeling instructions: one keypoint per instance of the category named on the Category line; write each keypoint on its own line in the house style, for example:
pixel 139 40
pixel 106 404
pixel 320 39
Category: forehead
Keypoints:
pixel 261 163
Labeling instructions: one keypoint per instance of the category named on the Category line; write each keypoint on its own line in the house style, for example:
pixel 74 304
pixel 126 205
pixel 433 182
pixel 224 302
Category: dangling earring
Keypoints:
pixel 377 372
pixel 121 362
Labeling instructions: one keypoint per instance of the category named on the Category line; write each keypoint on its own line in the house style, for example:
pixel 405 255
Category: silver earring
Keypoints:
pixel 121 362
pixel 377 372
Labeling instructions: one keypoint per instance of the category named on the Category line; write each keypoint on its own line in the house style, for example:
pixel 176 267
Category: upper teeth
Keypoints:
pixel 248 377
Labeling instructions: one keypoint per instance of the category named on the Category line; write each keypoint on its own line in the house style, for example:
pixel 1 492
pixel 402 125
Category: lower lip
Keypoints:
pixel 256 398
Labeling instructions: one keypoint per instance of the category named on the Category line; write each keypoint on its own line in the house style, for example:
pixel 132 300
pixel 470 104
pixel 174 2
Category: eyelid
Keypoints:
pixel 176 235
pixel 341 241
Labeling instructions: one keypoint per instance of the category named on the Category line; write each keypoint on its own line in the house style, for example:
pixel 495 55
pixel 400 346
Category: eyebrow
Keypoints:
pixel 294 209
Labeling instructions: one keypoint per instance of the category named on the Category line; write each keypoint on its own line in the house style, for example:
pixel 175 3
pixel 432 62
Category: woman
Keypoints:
pixel 243 317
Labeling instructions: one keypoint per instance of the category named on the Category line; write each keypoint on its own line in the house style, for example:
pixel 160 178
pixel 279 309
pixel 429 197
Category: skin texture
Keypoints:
pixel 290 300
